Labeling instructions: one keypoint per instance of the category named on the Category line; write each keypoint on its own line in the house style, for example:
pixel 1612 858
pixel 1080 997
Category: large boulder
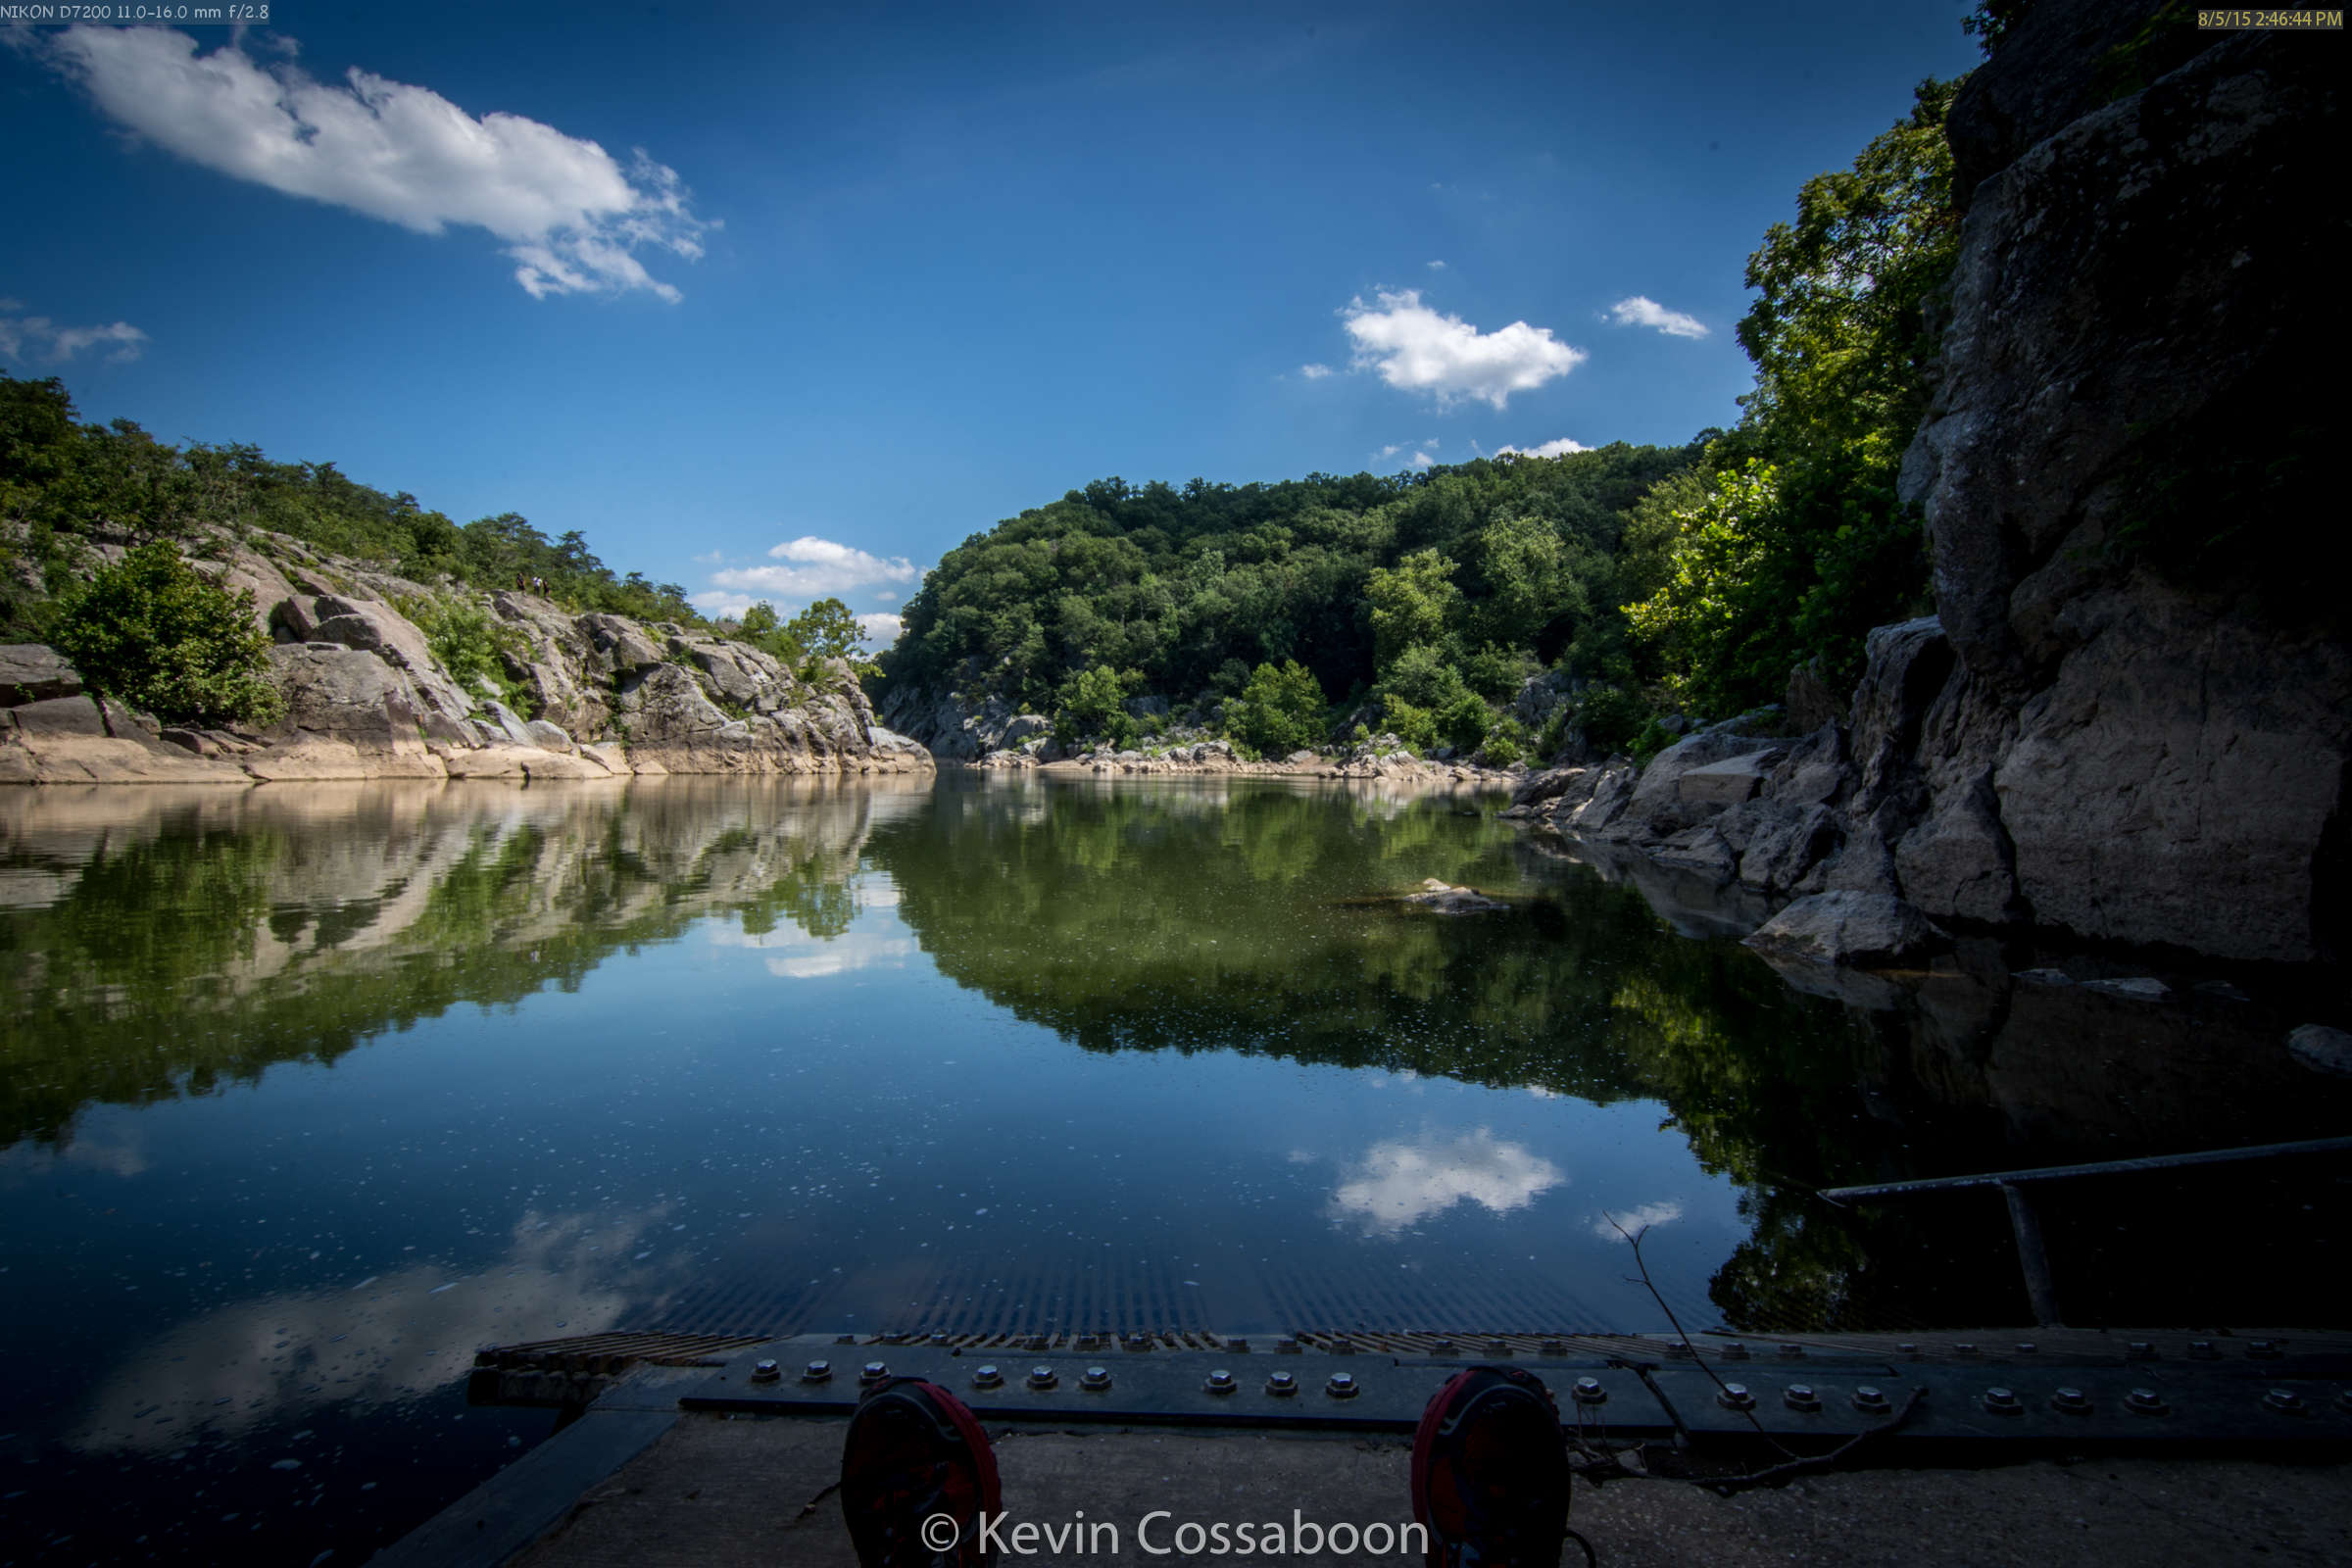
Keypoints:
pixel 32 672
pixel 1865 930
pixel 1660 808
pixel 371 626
pixel 336 690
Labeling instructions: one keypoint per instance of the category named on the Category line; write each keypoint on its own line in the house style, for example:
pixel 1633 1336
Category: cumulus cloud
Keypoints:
pixel 1397 1185
pixel 1437 267
pixel 881 629
pixel 886 596
pixel 567 212
pixel 1640 311
pixel 1550 449
pixel 1314 373
pixel 1416 349
pixel 36 336
pixel 813 568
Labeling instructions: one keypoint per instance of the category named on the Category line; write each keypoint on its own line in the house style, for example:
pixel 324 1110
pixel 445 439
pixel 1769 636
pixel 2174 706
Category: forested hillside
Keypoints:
pixel 1643 580
pixel 65 482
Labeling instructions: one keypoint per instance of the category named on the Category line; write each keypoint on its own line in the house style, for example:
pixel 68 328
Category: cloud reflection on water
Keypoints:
pixel 386 1340
pixel 1396 1185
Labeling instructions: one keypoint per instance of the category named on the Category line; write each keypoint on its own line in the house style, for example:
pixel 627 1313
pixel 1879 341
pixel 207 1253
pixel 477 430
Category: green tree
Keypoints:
pixel 1840 334
pixel 1280 711
pixel 154 632
pixel 1093 705
pixel 1412 604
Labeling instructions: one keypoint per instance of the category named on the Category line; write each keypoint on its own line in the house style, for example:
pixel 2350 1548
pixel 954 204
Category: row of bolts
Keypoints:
pixel 1800 1397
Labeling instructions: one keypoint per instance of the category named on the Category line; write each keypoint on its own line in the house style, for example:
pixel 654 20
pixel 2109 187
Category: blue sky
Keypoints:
pixel 778 302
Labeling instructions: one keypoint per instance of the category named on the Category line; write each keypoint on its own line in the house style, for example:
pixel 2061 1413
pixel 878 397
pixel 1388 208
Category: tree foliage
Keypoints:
pixel 1281 710
pixel 156 633
pixel 65 483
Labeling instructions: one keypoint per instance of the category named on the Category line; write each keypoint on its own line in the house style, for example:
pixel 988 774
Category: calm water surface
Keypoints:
pixel 306 1093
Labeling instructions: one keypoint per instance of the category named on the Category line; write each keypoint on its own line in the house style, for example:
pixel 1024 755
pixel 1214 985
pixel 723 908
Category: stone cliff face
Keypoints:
pixel 365 698
pixel 2124 722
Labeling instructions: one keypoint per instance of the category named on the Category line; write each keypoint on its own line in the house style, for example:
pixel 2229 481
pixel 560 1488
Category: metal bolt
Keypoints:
pixel 2142 1351
pixel 1679 1353
pixel 1498 1348
pixel 941 1338
pixel 1553 1347
pixel 2287 1401
pixel 1800 1397
pixel 816 1372
pixel 1734 1397
pixel 1282 1385
pixel 1911 1350
pixel 1219 1382
pixel 2264 1350
pixel 1589 1391
pixel 1342 1386
pixel 1442 1346
pixel 1733 1351
pixel 1287 1344
pixel 1870 1400
pixel 1791 1351
pixel 2072 1401
pixel 2027 1346
pixel 2145 1401
pixel 1097 1378
pixel 844 1338
pixel 764 1372
pixel 2203 1350
pixel 1088 1342
pixel 2002 1401
pixel 1238 1346
pixel 1041 1377
pixel 986 1377
pixel 873 1372
pixel 1343 1345
pixel 1964 1348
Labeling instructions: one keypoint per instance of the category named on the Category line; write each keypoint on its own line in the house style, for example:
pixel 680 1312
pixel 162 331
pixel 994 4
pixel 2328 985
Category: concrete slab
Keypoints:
pixel 716 1488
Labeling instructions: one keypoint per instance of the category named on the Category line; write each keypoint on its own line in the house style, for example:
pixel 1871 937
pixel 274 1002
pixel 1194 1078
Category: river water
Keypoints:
pixel 306 1093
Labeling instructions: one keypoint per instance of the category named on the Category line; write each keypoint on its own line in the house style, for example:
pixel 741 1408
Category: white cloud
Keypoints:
pixel 564 208
pixel 887 596
pixel 1399 1185
pixel 710 559
pixel 881 629
pixel 853 949
pixel 1437 267
pixel 1389 451
pixel 1422 460
pixel 721 605
pixel 1637 1220
pixel 24 336
pixel 1640 311
pixel 1415 349
pixel 816 568
pixel 1550 449
pixel 1314 373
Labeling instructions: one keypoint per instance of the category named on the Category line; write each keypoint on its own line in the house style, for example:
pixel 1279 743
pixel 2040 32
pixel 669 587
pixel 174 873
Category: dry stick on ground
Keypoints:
pixel 1633 1238
pixel 1772 1473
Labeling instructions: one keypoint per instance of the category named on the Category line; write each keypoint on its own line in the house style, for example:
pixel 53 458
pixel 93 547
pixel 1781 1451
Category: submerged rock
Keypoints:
pixel 2322 1049
pixel 1443 899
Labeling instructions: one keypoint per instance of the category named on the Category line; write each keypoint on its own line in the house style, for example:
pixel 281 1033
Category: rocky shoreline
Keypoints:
pixel 367 698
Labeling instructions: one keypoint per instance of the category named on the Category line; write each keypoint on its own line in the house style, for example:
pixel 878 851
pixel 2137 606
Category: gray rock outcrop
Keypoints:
pixel 367 698
pixel 2113 728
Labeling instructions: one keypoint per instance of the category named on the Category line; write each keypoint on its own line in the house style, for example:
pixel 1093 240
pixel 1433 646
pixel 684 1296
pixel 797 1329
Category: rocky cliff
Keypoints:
pixel 366 697
pixel 2131 720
